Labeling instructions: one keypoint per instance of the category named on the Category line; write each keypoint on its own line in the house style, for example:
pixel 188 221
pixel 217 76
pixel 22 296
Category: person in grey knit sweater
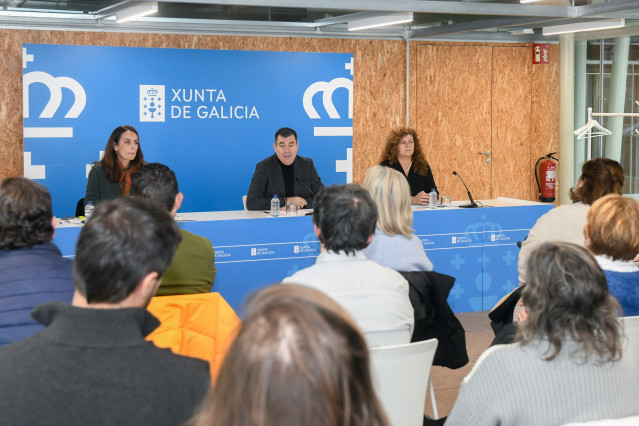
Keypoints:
pixel 568 364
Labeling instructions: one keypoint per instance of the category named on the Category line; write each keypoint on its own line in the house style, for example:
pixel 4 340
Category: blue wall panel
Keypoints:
pixel 211 115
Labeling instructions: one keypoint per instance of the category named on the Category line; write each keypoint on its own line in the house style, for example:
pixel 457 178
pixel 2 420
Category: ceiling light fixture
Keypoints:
pixel 380 21
pixel 523 31
pixel 134 12
pixel 603 24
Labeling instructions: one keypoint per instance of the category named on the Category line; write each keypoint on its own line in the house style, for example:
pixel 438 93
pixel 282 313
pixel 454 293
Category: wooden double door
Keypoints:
pixel 487 113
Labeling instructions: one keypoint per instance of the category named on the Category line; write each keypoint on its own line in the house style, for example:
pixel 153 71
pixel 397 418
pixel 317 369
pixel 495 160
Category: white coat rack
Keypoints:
pixel 593 128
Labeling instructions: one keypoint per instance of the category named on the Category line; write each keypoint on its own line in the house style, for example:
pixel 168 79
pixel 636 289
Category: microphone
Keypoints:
pixel 298 180
pixel 472 202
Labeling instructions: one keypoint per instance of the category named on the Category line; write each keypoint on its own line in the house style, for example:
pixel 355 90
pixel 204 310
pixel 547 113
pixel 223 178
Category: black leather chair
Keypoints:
pixel 79 208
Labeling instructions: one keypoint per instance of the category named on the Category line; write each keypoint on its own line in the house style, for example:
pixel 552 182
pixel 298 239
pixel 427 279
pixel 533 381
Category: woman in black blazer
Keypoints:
pixel 403 152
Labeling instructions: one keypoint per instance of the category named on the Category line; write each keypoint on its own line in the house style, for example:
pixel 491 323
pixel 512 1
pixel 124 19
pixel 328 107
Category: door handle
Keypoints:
pixel 487 154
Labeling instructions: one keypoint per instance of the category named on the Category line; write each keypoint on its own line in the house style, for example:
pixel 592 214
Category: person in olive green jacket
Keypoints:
pixel 193 267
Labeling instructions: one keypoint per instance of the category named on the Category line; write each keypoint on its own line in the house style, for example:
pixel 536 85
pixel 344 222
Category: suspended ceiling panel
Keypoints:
pixel 500 20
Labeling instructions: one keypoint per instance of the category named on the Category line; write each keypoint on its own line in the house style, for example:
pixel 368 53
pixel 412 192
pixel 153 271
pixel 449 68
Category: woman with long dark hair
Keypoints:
pixel 111 176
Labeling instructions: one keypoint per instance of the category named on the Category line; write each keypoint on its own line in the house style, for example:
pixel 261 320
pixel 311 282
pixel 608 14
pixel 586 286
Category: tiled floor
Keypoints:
pixel 446 381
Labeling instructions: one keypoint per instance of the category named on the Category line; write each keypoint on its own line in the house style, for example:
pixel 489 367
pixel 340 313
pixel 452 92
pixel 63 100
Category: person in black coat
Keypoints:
pixel 285 174
pixel 403 152
pixel 92 364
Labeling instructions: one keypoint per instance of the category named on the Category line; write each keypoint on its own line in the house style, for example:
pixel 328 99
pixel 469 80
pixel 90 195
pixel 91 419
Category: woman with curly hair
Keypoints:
pixel 403 152
pixel 111 177
pixel 568 363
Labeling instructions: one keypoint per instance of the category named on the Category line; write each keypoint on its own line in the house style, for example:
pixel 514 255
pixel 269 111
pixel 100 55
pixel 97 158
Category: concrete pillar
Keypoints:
pixel 566 116
pixel 581 115
pixel 617 97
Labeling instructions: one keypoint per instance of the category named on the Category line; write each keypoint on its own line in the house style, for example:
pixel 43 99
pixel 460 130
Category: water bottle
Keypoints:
pixel 275 206
pixel 432 199
pixel 88 210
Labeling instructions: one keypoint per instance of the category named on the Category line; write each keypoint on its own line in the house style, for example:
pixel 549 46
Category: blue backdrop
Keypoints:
pixel 210 115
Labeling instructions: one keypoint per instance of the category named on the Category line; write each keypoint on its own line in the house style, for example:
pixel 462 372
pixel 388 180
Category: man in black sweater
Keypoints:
pixel 292 177
pixel 92 365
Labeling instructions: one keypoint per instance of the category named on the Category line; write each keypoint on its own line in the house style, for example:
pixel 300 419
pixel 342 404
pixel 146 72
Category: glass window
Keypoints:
pixel 600 57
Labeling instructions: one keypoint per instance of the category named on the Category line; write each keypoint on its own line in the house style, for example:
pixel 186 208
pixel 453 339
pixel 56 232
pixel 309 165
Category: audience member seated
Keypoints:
pixel 599 176
pixel 375 296
pixel 196 325
pixel 299 359
pixel 91 365
pixel 568 364
pixel 394 244
pixel 33 269
pixel 110 177
pixel 612 235
pixel 193 267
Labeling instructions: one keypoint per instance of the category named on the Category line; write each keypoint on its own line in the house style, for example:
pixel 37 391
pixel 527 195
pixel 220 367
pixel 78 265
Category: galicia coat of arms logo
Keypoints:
pixel 152 103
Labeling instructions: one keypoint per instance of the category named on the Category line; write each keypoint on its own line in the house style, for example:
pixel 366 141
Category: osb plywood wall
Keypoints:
pixel 379 82
pixel 471 98
pixel 453 99
pixel 511 121
pixel 544 131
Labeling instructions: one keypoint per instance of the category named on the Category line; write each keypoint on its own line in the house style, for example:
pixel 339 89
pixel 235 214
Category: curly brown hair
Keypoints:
pixel 420 164
pixel 25 213
pixel 110 159
pixel 599 177
pixel 567 298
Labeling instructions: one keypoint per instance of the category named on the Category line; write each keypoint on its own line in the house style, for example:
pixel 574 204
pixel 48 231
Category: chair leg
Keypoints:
pixel 431 389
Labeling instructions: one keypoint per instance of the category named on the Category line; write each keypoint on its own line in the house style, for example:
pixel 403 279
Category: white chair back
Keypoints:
pixel 244 201
pixel 624 421
pixel 400 376
pixel 631 330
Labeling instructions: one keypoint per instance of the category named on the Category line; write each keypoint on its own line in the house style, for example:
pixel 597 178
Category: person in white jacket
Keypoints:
pixel 375 296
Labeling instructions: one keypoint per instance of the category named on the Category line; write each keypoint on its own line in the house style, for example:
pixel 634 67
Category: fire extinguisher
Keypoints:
pixel 548 173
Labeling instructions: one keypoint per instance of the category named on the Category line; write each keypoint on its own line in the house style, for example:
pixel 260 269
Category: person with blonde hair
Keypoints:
pixel 299 359
pixel 568 363
pixel 394 244
pixel 403 152
pixel 612 235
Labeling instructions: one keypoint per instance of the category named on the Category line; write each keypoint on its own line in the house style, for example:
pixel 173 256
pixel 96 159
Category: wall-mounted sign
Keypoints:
pixel 541 54
pixel 210 115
